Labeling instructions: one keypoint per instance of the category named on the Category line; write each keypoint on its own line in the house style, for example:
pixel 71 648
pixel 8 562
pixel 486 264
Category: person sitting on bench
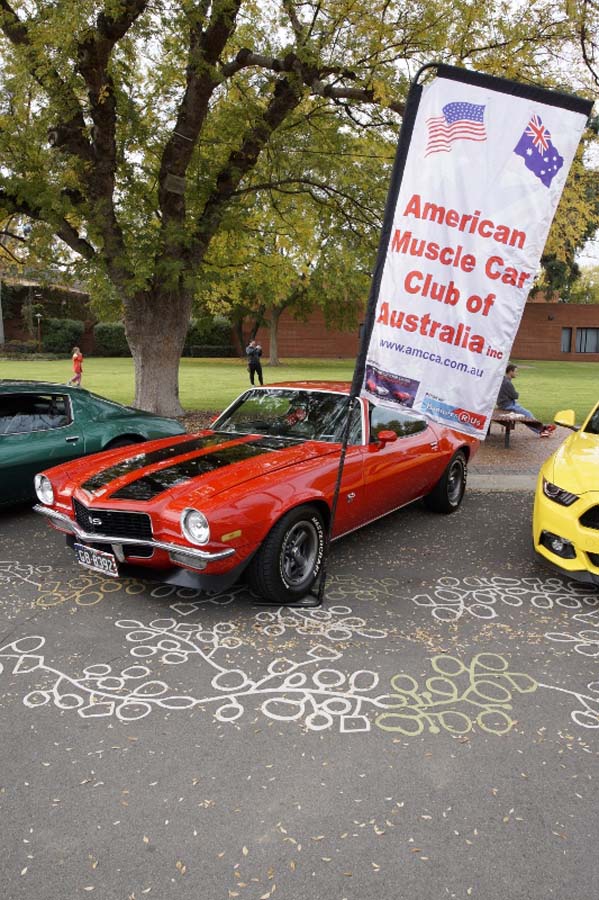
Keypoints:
pixel 506 400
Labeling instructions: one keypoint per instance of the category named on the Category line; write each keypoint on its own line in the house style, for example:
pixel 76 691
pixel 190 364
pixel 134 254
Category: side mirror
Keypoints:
pixel 566 418
pixel 386 437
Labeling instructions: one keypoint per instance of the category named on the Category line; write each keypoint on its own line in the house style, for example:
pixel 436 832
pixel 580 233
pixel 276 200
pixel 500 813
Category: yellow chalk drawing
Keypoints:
pixel 84 590
pixel 458 697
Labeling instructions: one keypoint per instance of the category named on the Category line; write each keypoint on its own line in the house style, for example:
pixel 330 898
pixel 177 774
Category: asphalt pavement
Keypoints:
pixel 431 732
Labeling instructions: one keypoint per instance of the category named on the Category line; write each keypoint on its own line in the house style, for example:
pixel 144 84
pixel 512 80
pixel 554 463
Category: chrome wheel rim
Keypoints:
pixel 299 554
pixel 455 482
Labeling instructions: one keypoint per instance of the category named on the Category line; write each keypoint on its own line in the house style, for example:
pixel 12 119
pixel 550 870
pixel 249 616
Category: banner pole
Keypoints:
pixel 405 136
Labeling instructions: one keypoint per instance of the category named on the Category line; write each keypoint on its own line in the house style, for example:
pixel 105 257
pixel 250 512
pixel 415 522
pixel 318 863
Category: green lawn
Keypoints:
pixel 210 384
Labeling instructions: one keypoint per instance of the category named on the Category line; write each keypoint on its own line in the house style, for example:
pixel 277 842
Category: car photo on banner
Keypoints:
pixel 386 386
pixel 253 494
pixel 566 507
pixel 43 424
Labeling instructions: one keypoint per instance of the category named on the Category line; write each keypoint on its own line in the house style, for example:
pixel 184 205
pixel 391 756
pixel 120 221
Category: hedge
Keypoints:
pixel 209 337
pixel 110 340
pixel 61 335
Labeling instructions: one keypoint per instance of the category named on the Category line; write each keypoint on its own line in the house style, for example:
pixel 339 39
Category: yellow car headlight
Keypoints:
pixel 558 494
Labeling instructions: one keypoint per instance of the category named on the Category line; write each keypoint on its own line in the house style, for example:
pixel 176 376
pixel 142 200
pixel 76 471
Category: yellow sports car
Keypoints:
pixel 566 510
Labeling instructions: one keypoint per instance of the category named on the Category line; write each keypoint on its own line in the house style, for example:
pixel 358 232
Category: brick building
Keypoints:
pixel 548 330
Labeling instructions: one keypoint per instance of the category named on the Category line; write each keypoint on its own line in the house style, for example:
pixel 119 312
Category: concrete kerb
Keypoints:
pixel 514 468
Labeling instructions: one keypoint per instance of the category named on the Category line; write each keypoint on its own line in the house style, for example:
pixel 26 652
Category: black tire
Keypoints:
pixel 288 563
pixel 448 493
pixel 122 442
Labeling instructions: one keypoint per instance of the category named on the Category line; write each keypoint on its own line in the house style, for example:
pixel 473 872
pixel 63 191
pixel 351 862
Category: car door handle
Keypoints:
pixel 72 440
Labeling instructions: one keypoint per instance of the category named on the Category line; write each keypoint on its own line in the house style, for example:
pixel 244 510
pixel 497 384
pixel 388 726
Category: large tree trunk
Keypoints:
pixel 275 315
pixel 156 326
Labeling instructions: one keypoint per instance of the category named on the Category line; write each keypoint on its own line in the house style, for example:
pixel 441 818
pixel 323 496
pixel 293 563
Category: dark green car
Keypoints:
pixel 43 424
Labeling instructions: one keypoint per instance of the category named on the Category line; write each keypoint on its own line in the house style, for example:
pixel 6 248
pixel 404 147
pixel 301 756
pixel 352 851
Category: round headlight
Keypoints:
pixel 43 489
pixel 194 526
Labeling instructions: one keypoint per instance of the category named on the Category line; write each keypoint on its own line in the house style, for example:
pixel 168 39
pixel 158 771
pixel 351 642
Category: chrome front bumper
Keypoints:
pixel 67 524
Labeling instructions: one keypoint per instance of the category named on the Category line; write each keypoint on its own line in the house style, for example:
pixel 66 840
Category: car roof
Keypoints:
pixel 340 387
pixel 8 385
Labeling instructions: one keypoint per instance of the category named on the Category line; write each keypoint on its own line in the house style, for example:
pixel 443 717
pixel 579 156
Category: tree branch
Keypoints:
pixel 313 77
pixel 286 97
pixel 93 57
pixel 202 78
pixel 71 131
pixel 13 203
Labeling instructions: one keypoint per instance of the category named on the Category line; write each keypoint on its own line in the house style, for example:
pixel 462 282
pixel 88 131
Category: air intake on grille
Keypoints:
pixel 113 523
pixel 591 518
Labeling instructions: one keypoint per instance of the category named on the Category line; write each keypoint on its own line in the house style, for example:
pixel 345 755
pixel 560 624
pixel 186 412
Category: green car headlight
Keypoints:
pixel 43 489
pixel 194 526
pixel 558 494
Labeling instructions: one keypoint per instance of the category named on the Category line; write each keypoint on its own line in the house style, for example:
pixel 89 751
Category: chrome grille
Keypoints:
pixel 113 523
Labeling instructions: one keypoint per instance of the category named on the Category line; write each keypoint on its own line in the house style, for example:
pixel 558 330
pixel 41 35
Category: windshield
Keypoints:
pixel 592 426
pixel 289 413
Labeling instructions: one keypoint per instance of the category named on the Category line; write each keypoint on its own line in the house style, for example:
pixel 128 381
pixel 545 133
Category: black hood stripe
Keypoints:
pixel 149 486
pixel 141 459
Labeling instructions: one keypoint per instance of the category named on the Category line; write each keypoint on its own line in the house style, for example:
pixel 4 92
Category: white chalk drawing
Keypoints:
pixel 588 716
pixel 336 623
pixel 309 691
pixel 452 598
pixel 586 643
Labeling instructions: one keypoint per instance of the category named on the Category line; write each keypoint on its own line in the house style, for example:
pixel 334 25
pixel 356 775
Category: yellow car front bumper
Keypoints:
pixel 567 537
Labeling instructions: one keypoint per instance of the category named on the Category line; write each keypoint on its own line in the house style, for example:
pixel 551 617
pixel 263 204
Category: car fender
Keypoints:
pixel 246 518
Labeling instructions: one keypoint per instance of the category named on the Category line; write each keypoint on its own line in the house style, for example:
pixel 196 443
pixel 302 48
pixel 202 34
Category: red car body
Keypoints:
pixel 249 485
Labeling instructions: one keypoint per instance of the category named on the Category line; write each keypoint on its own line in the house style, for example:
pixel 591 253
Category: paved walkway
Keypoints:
pixel 495 468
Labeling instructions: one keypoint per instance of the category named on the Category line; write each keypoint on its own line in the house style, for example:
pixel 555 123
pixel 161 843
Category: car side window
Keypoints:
pixel 593 423
pixel 355 428
pixel 26 413
pixel 402 422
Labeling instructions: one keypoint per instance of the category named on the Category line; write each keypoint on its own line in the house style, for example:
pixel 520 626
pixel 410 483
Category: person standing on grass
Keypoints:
pixel 507 397
pixel 253 351
pixel 77 358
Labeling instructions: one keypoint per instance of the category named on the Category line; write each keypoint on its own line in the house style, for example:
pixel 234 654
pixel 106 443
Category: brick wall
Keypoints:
pixel 540 333
pixel 310 339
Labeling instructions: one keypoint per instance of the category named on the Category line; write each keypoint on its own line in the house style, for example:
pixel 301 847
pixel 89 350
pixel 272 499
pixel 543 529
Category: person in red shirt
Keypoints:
pixel 77 367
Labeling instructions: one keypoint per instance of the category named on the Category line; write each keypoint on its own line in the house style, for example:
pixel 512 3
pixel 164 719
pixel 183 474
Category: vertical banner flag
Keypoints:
pixel 472 198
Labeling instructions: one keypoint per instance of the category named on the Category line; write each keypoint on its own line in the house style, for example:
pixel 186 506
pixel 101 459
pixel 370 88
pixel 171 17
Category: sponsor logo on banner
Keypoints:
pixel 469 421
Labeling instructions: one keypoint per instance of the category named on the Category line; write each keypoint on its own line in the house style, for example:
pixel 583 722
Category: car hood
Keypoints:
pixel 205 464
pixel 575 465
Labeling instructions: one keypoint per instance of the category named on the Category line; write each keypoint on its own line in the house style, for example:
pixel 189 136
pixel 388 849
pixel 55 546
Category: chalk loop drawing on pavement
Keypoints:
pixel 312 690
pixel 459 696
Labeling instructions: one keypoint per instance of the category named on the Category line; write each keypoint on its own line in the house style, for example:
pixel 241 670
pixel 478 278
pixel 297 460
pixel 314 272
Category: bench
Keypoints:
pixel 508 421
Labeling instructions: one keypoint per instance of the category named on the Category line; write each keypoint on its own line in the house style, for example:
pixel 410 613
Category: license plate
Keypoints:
pixel 97 560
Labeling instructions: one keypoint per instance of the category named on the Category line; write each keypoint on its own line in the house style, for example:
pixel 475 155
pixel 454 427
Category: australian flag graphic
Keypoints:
pixel 537 151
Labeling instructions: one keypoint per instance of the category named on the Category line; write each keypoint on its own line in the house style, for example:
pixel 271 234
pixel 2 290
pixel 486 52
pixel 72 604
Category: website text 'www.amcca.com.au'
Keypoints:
pixel 432 357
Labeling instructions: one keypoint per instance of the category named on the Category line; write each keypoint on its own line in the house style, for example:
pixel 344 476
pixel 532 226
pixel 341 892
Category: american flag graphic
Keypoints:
pixel 460 122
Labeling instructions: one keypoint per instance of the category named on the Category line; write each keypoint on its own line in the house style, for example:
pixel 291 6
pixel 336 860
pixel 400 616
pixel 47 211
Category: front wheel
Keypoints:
pixel 287 564
pixel 448 493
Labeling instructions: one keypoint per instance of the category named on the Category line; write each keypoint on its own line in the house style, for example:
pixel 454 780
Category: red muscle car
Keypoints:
pixel 253 494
